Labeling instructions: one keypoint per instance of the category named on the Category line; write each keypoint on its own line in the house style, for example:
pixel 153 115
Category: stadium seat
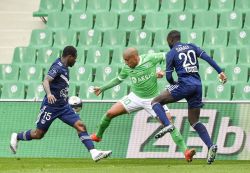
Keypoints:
pixel 160 41
pixel 237 73
pixel 170 6
pixel 215 38
pixel 105 21
pixel 181 20
pixel 35 91
pixel 146 6
pixel 155 21
pixel 81 73
pixel 196 5
pixel 45 56
pixel 122 6
pixel 242 91
pixel 239 38
pixel 81 55
pixel 230 20
pixel 73 6
pixel 244 56
pixel 146 50
pixel 205 20
pixel 130 21
pixel 242 5
pixel 24 55
pixel 86 91
pixel 115 93
pixel 162 84
pixel 221 6
pixel 13 90
pixel 90 38
pixel 96 6
pixel 9 72
pixel 72 89
pixel 247 22
pixel 104 73
pixel 64 38
pixel 208 73
pixel 41 38
pixel 114 38
pixel 216 91
pixel 58 21
pixel 192 36
pixel 81 21
pixel 140 38
pixel 117 58
pixel 48 6
pixel 31 73
pixel 225 56
pixel 98 55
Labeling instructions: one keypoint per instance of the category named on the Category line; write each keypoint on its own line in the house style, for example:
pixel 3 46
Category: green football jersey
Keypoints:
pixel 143 76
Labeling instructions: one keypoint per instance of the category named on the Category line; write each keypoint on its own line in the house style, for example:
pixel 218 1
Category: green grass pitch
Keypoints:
pixel 56 165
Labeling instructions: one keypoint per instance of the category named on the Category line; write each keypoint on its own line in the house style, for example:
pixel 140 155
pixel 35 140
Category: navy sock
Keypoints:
pixel 86 140
pixel 161 113
pixel 24 136
pixel 202 131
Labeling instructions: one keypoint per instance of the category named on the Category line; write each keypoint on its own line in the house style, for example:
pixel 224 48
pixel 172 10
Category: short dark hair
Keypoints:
pixel 69 50
pixel 174 34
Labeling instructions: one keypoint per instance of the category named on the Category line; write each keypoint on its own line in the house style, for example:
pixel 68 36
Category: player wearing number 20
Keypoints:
pixel 183 58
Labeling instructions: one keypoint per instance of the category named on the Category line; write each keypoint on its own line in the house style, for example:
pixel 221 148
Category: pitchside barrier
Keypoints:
pixel 130 136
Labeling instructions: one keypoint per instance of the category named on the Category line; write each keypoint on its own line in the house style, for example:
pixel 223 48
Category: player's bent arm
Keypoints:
pixel 46 86
pixel 111 84
pixel 169 77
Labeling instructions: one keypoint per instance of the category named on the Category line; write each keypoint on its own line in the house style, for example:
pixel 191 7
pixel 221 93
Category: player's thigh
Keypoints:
pixel 116 110
pixel 195 97
pixel 131 103
pixel 164 98
pixel 68 116
pixel 148 107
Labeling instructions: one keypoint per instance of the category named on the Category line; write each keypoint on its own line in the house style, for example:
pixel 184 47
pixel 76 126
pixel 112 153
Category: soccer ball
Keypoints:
pixel 76 103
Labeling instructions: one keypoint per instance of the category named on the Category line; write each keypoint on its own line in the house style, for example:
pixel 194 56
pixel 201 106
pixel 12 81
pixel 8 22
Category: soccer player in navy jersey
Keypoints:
pixel 183 59
pixel 55 105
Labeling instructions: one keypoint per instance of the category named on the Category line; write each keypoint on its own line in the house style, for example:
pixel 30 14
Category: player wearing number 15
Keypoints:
pixel 183 58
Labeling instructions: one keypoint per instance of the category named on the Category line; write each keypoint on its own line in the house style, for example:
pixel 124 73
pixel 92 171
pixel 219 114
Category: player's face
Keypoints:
pixel 71 61
pixel 131 61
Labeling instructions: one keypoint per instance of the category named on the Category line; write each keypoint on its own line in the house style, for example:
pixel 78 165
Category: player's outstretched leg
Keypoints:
pixel 211 154
pixel 189 154
pixel 99 154
pixel 101 129
pixel 95 138
pixel 164 130
pixel 13 142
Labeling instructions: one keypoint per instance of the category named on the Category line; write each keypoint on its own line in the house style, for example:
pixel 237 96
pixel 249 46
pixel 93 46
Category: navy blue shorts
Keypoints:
pixel 48 114
pixel 192 93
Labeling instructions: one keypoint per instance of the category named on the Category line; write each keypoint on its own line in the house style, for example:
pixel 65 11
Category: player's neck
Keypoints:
pixel 63 60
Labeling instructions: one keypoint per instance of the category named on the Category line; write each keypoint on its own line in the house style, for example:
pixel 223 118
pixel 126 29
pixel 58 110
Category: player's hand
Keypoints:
pixel 51 98
pixel 97 91
pixel 222 77
pixel 159 74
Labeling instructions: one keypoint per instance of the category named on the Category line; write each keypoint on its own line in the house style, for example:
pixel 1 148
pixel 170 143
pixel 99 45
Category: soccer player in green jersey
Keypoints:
pixel 142 72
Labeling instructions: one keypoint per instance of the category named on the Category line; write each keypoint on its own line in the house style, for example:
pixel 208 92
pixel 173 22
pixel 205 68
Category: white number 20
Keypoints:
pixel 188 59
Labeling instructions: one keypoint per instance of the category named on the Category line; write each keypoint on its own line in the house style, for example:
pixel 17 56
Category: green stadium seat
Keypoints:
pixel 230 20
pixel 46 56
pixel 160 41
pixel 215 38
pixel 239 38
pixel 86 91
pixel 48 6
pixel 74 6
pixel 9 72
pixel 247 22
pixel 225 55
pixel 35 91
pixel 105 21
pixel 81 21
pixel 242 91
pixel 31 73
pixel 105 73
pixel 90 38
pixel 216 91
pixel 130 21
pixel 196 5
pixel 146 6
pixel 208 73
pixel 170 6
pixel 13 90
pixel 81 55
pixel 58 21
pixel 181 20
pixel 64 38
pixel 221 5
pixel 237 73
pixel 98 55
pixel 155 21
pixel 192 36
pixel 146 50
pixel 96 6
pixel 205 20
pixel 72 89
pixel 140 38
pixel 81 73
pixel 117 58
pixel 116 93
pixel 244 56
pixel 114 38
pixel 24 55
pixel 162 84
pixel 242 5
pixel 41 38
pixel 122 6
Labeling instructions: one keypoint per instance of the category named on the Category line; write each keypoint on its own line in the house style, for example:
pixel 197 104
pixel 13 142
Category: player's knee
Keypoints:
pixel 38 134
pixel 80 127
pixel 110 113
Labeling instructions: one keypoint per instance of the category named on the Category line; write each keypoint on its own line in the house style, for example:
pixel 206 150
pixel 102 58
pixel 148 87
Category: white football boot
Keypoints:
pixel 13 142
pixel 99 154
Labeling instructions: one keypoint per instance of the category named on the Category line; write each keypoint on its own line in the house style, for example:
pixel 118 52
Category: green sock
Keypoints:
pixel 178 139
pixel 103 125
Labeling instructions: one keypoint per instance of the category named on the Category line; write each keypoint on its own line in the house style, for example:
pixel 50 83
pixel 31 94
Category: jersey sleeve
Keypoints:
pixel 157 57
pixel 123 74
pixel 169 62
pixel 198 50
pixel 53 71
